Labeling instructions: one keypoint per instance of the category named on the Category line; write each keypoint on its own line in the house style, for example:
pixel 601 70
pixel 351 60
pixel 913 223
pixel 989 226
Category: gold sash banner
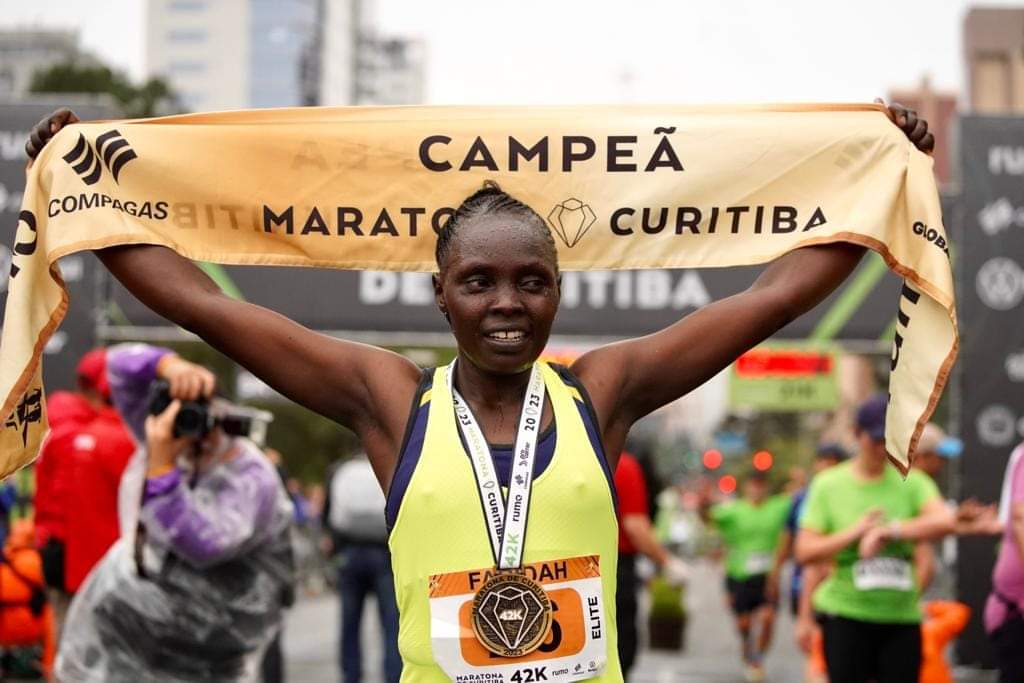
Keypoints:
pixel 366 188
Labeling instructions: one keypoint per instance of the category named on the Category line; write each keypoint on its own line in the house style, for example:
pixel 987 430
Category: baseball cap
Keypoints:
pixel 871 416
pixel 831 449
pixel 92 371
pixel 935 440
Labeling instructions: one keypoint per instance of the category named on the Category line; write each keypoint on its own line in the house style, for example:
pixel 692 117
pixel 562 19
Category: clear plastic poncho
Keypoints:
pixel 218 570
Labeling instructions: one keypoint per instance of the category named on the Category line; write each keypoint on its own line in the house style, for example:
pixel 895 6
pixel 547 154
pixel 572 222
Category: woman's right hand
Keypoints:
pixel 871 519
pixel 803 633
pixel 188 381
pixel 46 129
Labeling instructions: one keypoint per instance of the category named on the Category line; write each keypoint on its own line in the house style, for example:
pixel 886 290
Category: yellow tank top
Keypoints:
pixel 439 527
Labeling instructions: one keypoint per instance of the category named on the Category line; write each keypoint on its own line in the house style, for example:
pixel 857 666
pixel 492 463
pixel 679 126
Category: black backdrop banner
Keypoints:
pixel 619 304
pixel 990 291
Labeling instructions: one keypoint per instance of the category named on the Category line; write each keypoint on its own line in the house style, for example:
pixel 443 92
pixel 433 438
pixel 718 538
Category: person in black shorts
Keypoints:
pixel 750 529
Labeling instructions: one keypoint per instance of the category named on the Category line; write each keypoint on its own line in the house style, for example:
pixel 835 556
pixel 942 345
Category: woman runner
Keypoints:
pixel 498 286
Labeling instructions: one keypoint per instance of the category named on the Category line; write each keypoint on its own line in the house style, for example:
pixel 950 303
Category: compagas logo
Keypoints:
pixel 571 219
pixel 112 151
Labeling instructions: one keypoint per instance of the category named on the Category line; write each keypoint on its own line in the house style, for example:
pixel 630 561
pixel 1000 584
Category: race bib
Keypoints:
pixel 758 563
pixel 575 648
pixel 890 573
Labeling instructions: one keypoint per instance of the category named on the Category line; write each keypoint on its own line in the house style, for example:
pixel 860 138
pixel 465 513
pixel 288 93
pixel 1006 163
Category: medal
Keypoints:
pixel 511 613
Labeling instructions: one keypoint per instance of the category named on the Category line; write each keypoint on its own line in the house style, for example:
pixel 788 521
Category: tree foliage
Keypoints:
pixel 135 101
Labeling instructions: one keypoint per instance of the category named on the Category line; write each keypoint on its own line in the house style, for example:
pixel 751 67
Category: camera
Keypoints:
pixel 195 419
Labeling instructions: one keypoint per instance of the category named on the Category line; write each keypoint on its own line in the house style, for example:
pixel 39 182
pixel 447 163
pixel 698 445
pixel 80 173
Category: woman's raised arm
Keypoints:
pixel 633 378
pixel 357 385
pixel 362 387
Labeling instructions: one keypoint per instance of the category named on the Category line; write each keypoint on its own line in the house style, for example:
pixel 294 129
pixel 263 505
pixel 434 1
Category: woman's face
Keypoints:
pixel 500 289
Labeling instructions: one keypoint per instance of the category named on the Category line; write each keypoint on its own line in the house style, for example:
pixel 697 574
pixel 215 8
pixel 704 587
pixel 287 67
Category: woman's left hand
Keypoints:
pixel 916 129
pixel 162 445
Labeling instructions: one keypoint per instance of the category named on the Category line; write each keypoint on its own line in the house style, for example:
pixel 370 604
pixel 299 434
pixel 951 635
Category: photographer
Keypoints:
pixel 193 589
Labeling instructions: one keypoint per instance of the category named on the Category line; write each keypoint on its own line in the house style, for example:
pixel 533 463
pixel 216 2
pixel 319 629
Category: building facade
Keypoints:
pixel 23 52
pixel 994 59
pixel 232 54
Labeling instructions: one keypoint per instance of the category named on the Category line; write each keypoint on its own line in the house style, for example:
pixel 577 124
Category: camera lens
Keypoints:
pixel 191 420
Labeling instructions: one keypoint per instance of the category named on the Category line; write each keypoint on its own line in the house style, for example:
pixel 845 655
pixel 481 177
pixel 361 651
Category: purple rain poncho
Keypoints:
pixel 215 552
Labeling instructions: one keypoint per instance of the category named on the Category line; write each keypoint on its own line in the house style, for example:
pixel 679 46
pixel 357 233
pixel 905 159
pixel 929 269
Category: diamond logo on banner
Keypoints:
pixel 571 219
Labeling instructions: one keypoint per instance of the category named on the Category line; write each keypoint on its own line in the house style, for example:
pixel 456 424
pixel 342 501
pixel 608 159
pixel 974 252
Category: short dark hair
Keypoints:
pixel 489 199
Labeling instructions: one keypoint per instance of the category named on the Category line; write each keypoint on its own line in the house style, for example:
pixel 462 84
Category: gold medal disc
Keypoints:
pixel 511 615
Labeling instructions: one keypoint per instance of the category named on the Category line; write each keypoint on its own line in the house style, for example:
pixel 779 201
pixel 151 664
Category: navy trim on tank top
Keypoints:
pixel 590 422
pixel 416 431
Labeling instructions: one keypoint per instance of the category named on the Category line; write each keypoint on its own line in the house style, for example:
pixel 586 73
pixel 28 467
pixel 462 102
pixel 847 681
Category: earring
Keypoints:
pixel 447 317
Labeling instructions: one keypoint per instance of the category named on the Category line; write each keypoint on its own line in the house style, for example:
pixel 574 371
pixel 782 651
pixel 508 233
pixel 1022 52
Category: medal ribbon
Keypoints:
pixel 505 517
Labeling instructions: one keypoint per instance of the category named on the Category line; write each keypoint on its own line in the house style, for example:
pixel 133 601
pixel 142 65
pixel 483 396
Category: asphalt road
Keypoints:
pixel 711 654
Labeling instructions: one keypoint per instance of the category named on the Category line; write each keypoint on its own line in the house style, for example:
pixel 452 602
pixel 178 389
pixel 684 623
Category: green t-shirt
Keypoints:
pixel 883 590
pixel 750 533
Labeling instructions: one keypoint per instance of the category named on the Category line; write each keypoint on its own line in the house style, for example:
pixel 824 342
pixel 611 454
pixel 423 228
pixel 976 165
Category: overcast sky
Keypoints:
pixel 577 51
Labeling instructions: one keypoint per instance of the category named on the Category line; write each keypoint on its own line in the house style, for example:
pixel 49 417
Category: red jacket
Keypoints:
pixel 631 490
pixel 101 451
pixel 68 413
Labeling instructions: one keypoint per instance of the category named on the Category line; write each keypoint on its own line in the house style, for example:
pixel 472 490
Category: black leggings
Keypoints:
pixel 862 651
pixel 1008 643
pixel 625 612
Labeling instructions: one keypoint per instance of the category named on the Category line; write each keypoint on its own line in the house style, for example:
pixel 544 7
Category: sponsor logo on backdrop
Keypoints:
pixel 112 151
pixel 1006 160
pixel 999 216
pixel 571 219
pixel 644 290
pixel 5 266
pixel 1000 283
pixel 12 145
pixel 10 200
pixel 1015 366
pixel 56 343
pixel 996 425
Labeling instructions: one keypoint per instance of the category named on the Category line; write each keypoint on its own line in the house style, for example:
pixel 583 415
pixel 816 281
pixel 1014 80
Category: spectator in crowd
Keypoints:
pixel 8 500
pixel 934 449
pixel 355 514
pixel 863 516
pixel 827 456
pixel 750 529
pixel 636 536
pixel 26 618
pixel 194 588
pixel 1004 610
pixel 68 413
pixel 99 454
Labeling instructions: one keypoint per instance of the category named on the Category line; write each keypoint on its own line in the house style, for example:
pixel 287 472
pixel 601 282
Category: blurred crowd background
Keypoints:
pixel 960 66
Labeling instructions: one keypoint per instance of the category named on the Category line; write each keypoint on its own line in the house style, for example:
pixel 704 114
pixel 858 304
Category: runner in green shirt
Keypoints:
pixel 750 530
pixel 865 517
